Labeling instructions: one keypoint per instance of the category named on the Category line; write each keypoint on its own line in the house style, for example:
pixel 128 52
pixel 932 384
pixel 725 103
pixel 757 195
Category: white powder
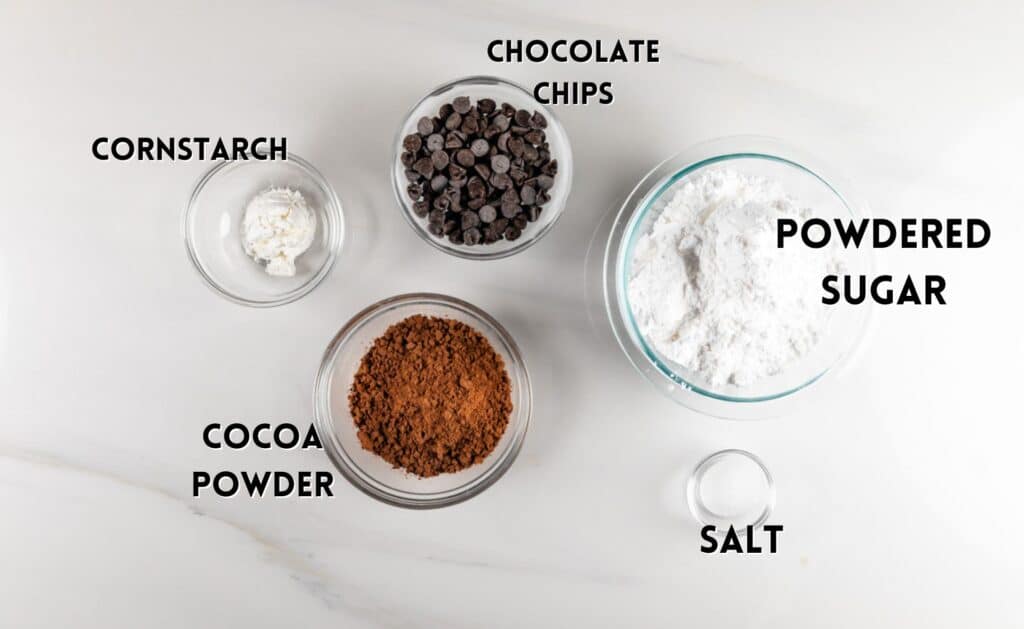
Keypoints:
pixel 278 227
pixel 710 289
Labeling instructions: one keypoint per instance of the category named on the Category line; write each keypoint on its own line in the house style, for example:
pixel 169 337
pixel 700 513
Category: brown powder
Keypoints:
pixel 431 395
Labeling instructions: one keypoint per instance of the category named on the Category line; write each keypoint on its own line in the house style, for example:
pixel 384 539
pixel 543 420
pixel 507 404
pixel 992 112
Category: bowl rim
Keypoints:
pixel 622 238
pixel 336 237
pixel 699 509
pixel 519 422
pixel 480 252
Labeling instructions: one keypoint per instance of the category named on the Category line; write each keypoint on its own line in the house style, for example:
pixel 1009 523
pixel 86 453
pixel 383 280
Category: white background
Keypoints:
pixel 898 485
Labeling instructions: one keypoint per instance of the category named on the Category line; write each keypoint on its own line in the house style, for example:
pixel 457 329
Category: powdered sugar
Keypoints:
pixel 710 289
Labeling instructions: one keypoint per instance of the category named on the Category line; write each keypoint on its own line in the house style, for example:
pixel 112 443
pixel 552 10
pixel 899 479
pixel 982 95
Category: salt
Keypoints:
pixel 733 486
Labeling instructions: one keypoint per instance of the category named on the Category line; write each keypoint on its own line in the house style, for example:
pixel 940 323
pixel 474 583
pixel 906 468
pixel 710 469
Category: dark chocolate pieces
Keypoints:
pixel 479 172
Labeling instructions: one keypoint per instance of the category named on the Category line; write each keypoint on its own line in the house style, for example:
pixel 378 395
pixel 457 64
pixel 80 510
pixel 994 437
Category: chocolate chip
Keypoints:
pixel 538 121
pixel 502 122
pixel 501 181
pixel 425 126
pixel 452 141
pixel 520 222
pixel 545 182
pixel 533 212
pixel 476 187
pixel 456 172
pixel 509 209
pixel 439 159
pixel 518 175
pixel 453 121
pixel 435 142
pixel 421 208
pixel 408 159
pixel 511 233
pixel 488 213
pixel 522 117
pixel 424 167
pixel 516 146
pixel 503 141
pixel 454 204
pixel 480 147
pixel 470 125
pixel 412 142
pixel 499 163
pixel 465 157
pixel 470 219
pixel 528 195
pixel 438 183
pixel 472 236
pixel 535 137
pixel 486 105
pixel 461 104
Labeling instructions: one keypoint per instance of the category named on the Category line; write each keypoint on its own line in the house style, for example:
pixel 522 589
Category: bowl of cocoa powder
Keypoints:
pixel 422 400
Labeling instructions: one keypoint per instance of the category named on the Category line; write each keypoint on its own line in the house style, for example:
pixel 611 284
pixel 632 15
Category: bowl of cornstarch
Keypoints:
pixel 701 296
pixel 263 232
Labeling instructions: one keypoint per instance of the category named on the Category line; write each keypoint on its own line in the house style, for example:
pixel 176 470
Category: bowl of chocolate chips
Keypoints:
pixel 481 169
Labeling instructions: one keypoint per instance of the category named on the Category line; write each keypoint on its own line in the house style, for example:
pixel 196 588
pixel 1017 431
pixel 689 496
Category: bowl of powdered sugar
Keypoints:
pixel 702 298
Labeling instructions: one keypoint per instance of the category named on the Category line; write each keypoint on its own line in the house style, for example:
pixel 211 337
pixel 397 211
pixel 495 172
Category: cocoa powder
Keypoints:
pixel 431 396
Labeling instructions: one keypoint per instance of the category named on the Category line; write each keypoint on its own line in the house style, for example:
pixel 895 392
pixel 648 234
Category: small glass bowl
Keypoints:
pixel 212 223
pixel 370 473
pixel 807 180
pixel 759 504
pixel 502 91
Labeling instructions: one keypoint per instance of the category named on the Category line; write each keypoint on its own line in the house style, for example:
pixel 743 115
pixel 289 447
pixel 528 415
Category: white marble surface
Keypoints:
pixel 898 487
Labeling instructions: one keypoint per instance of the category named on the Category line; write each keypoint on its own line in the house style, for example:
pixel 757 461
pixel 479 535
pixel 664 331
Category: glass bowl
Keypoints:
pixel 212 223
pixel 370 473
pixel 754 494
pixel 502 91
pixel 812 185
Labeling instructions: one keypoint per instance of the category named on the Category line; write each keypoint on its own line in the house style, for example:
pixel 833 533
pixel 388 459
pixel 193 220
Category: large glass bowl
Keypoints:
pixel 811 184
pixel 502 91
pixel 212 223
pixel 370 473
